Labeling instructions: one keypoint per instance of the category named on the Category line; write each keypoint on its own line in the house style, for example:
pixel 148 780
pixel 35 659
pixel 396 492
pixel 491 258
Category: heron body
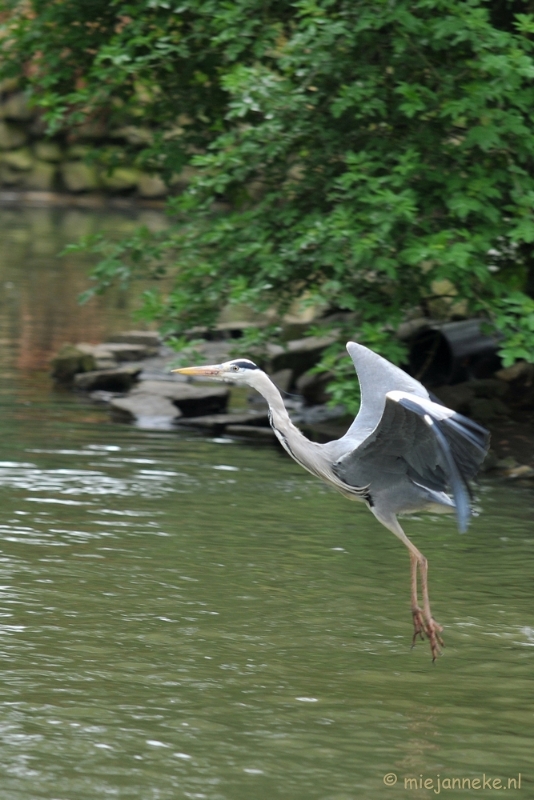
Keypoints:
pixel 403 453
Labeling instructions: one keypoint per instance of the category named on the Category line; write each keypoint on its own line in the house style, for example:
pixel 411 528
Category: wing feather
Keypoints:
pixel 428 443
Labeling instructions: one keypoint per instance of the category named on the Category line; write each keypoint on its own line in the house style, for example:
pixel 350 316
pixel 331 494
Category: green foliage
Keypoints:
pixel 514 317
pixel 363 156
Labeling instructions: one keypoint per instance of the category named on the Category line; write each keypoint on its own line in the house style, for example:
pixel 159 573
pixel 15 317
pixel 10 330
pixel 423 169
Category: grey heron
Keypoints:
pixel 401 455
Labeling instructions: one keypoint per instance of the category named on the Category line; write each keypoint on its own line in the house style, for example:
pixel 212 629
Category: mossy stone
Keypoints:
pixel 69 361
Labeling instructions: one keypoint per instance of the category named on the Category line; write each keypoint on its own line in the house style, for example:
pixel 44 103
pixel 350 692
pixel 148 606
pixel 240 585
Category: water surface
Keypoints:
pixel 188 617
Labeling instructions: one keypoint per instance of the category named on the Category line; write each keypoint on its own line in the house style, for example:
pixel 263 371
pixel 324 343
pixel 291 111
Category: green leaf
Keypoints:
pixel 372 161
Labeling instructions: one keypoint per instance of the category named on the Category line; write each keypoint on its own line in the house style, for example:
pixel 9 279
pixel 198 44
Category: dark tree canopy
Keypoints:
pixel 357 155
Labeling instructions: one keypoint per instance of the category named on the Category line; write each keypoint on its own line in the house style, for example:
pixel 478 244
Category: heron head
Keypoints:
pixel 240 370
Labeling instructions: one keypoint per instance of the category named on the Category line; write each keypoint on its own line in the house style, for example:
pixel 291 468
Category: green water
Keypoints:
pixel 186 617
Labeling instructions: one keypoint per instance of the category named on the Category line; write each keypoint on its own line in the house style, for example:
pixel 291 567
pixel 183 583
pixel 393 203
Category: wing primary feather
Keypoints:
pixel 477 436
pixel 459 488
pixel 456 481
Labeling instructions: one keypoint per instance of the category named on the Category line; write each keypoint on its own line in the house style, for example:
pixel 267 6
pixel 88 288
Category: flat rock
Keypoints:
pixel 103 359
pixel 120 379
pixel 299 355
pixel 148 410
pixel 96 350
pixel 191 400
pixel 222 421
pixel 124 351
pixel 102 396
pixel 251 432
pixel 114 352
pixel 105 363
pixel 147 338
pixel 313 387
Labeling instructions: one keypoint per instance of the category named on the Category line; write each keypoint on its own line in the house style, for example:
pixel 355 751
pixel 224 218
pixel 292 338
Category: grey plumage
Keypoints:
pixel 402 453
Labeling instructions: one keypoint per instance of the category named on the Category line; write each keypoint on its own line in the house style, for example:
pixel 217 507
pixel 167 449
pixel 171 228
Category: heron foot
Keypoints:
pixel 418 624
pixel 431 628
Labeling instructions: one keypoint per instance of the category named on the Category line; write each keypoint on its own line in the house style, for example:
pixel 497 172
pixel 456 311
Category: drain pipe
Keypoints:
pixel 452 352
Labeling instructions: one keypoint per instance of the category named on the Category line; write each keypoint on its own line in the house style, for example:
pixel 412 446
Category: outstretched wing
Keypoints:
pixel 377 377
pixel 430 444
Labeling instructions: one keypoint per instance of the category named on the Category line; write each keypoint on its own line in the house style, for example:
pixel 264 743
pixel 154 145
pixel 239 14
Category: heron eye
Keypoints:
pixel 235 368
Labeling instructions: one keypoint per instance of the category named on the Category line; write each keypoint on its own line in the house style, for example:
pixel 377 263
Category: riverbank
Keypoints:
pixel 131 374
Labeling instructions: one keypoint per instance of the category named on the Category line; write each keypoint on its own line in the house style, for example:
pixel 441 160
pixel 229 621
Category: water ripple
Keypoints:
pixel 148 483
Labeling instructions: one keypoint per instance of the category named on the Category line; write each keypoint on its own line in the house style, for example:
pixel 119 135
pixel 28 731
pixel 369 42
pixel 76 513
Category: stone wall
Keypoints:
pixel 32 161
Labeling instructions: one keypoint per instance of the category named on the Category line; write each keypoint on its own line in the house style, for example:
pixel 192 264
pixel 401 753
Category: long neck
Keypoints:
pixel 278 416
pixel 309 455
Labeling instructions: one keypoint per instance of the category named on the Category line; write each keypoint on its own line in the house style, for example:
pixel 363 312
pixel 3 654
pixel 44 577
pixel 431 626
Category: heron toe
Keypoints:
pixel 431 628
pixel 418 624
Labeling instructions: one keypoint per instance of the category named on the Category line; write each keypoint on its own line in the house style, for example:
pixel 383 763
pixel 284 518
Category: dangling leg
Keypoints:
pixel 432 628
pixel 422 619
pixel 417 614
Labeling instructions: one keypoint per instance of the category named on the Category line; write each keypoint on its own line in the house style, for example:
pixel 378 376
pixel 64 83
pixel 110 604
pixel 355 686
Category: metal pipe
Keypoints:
pixel 453 352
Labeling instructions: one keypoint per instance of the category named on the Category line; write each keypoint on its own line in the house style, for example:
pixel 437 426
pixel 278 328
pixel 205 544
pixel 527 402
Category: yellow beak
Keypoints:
pixel 211 371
